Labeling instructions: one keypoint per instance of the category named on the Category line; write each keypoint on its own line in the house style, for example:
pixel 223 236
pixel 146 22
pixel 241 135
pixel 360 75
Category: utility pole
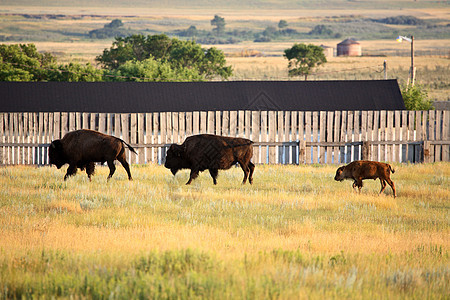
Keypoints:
pixel 385 69
pixel 413 72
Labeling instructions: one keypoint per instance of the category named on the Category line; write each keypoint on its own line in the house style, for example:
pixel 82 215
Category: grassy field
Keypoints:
pixel 294 234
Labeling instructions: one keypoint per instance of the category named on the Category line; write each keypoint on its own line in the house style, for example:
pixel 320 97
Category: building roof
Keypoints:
pixel 349 42
pixel 130 97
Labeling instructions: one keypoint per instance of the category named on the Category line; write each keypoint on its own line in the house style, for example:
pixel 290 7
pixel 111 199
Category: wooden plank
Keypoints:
pixel 124 124
pixel 93 121
pixel 163 134
pixel 181 127
pixel 308 129
pixel 241 123
pixel 438 136
pixel 432 133
pixel 279 136
pixel 225 123
pixel 64 124
pixel 20 138
pixel 322 135
pixel 287 157
pixel 370 132
pixel 383 115
pixel 35 128
pixel 211 122
pixel 78 124
pixel 203 122
pixel 390 135
pixel 264 136
pixel 404 135
pixel 376 135
pixel 445 135
pixel 218 122
pixel 296 135
pixel 141 139
pixel 169 128
pixel 2 138
pixel 56 126
pixel 349 138
pixel 155 136
pixel 233 123
pixel 72 121
pixel 329 137
pixel 272 136
pixel 40 159
pixel 397 137
pixel 85 117
pixel 336 135
pixel 356 134
pixel 28 130
pixel 343 136
pixel 102 122
pixel 315 127
pixel 148 137
pixel 175 127
pixel 9 136
pixel 248 124
pixel 189 123
pixel 196 122
pixel 255 135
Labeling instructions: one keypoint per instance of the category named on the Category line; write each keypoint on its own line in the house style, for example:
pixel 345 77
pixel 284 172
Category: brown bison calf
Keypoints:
pixel 213 153
pixel 82 148
pixel 363 169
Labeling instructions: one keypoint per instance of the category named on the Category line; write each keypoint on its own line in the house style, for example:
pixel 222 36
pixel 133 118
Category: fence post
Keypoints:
pixel 426 152
pixel 302 152
pixel 366 155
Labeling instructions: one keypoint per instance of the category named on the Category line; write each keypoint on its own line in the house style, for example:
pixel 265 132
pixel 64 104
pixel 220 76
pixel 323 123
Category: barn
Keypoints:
pixel 349 47
pixel 137 97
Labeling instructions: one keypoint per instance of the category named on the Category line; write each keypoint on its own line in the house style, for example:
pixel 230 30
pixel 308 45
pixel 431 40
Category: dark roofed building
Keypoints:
pixel 130 97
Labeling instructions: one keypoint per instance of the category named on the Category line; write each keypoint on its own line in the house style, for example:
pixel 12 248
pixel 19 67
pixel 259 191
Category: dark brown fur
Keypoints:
pixel 364 169
pixel 82 148
pixel 213 153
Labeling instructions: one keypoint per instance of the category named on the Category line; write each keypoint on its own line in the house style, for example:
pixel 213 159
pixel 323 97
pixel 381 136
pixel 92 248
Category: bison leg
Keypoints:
pixel 125 165
pixel 359 183
pixel 90 169
pixel 214 173
pixel 383 185
pixel 112 168
pixel 71 170
pixel 391 183
pixel 252 168
pixel 192 176
pixel 246 170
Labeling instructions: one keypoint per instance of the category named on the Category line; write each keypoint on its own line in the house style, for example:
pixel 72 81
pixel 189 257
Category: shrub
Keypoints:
pixel 415 97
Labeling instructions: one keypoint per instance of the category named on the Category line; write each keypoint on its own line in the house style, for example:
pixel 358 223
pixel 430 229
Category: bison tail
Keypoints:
pixel 129 147
pixel 392 170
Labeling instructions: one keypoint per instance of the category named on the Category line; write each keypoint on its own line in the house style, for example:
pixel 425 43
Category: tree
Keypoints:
pixel 179 54
pixel 154 70
pixel 303 58
pixel 116 23
pixel 282 24
pixel 415 97
pixel 24 63
pixel 219 22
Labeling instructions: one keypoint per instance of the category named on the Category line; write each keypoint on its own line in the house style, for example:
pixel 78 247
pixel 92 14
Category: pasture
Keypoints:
pixel 294 234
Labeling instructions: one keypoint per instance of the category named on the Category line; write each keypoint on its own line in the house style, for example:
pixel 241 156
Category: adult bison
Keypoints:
pixel 213 153
pixel 364 169
pixel 82 148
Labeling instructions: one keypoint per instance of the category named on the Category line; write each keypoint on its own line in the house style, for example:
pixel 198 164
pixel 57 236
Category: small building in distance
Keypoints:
pixel 349 47
pixel 327 51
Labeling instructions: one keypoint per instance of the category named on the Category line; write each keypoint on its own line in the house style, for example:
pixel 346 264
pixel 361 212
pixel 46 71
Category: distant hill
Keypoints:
pixel 260 4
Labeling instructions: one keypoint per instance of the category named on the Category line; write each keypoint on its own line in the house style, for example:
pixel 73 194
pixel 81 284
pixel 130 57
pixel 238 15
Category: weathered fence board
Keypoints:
pixel 283 137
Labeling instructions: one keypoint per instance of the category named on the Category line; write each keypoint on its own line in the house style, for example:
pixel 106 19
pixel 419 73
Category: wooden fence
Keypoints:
pixel 284 137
